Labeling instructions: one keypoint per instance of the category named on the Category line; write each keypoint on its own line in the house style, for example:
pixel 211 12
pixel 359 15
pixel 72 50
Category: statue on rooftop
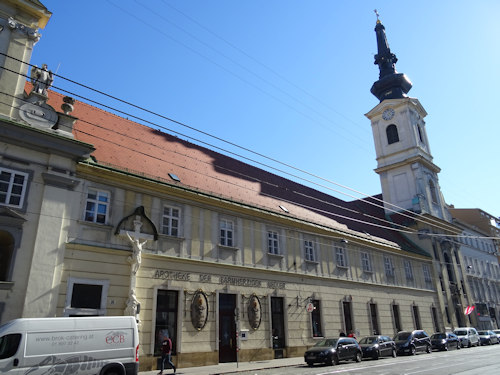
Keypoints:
pixel 42 79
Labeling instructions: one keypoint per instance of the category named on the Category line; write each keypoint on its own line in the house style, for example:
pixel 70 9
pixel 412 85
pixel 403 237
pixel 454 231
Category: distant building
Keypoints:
pixel 480 254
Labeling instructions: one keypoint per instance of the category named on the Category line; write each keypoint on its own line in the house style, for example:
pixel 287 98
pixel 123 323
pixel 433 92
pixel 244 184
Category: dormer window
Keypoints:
pixel 392 134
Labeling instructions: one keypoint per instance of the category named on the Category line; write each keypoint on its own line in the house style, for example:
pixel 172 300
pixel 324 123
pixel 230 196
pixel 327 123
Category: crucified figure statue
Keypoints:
pixel 135 258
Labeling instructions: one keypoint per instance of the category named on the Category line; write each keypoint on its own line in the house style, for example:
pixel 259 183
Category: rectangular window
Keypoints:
pixel 316 319
pixel 226 232
pixel 340 256
pixel 416 317
pixel 408 270
pixel 374 319
pixel 389 267
pixel 273 242
pixel 86 297
pixel 309 250
pixel 97 206
pixel 166 319
pixel 435 319
pixel 12 187
pixel 427 273
pixel 366 262
pixel 397 318
pixel 170 221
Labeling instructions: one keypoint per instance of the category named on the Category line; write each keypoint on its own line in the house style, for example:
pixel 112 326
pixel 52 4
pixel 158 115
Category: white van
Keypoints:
pixel 106 345
pixel 468 336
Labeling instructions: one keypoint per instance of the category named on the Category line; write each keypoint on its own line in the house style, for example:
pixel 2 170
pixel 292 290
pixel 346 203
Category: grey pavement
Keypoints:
pixel 232 367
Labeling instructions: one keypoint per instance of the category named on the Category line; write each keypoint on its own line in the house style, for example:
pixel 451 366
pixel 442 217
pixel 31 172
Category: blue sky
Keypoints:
pixel 291 79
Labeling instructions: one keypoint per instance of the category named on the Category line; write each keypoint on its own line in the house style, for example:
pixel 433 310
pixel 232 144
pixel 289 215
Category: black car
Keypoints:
pixel 412 342
pixel 332 351
pixel 377 346
pixel 445 341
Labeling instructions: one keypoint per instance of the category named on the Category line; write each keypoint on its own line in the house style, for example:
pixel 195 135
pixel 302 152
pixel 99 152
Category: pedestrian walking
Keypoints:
pixel 166 354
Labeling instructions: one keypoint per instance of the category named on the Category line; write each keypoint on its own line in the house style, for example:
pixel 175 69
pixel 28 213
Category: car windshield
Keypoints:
pixel 461 332
pixel 368 340
pixel 326 342
pixel 402 336
pixel 439 336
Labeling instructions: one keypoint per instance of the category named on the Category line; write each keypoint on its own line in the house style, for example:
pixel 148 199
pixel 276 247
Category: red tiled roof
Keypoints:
pixel 130 146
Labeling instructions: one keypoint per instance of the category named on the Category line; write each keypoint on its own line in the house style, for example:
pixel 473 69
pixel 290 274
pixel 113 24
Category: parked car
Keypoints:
pixel 445 341
pixel 412 342
pixel 497 331
pixel 468 336
pixel 377 346
pixel 487 337
pixel 333 350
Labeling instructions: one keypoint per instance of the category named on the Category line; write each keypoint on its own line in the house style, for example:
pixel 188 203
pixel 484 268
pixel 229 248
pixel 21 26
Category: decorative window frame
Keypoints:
pixel 273 242
pixel 97 203
pixel 389 266
pixel 225 240
pixel 24 189
pixel 341 257
pixel 69 310
pixel 310 253
pixel 171 217
pixel 408 270
pixel 366 262
pixel 427 273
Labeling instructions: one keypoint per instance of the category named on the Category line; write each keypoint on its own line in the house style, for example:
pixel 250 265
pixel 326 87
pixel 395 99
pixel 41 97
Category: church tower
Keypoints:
pixel 407 173
pixel 410 184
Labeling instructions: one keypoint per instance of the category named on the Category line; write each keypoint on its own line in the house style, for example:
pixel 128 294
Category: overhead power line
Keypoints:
pixel 403 212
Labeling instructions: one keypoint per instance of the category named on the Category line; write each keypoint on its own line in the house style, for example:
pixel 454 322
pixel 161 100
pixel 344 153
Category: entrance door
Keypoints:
pixel 227 328
pixel 278 326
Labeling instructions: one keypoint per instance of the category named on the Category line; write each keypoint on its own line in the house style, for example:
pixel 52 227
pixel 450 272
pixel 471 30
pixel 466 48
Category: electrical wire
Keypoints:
pixel 412 215
pixel 401 228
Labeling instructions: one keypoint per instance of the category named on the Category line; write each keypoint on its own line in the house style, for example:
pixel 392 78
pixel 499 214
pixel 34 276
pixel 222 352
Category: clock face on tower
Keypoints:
pixel 388 114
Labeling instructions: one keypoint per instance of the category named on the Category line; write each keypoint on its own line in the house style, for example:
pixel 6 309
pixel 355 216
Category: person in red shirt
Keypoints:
pixel 166 354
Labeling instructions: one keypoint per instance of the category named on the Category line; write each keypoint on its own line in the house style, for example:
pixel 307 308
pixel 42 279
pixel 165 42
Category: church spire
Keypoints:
pixel 391 84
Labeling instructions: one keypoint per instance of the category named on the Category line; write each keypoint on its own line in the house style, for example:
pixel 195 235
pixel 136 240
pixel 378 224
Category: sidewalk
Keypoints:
pixel 232 367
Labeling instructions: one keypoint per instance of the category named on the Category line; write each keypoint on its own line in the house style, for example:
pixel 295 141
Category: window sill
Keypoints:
pixel 169 237
pixel 92 224
pixel 225 247
pixel 312 262
pixel 275 255
pixel 342 267
pixel 6 285
pixel 368 271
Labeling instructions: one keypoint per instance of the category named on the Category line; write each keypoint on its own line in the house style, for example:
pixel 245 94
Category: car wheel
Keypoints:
pixel 310 364
pixel 329 361
pixel 458 345
pixel 469 345
pixel 376 355
pixel 412 350
pixel 445 347
pixel 357 358
pixel 429 349
pixel 394 354
pixel 336 360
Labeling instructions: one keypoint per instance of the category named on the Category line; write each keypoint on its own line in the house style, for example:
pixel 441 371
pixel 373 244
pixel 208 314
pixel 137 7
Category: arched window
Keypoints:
pixel 6 254
pixel 392 134
pixel 449 267
pixel 433 191
pixel 420 136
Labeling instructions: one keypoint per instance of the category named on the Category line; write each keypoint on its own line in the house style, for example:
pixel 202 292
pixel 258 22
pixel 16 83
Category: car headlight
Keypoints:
pixel 375 346
pixel 443 341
